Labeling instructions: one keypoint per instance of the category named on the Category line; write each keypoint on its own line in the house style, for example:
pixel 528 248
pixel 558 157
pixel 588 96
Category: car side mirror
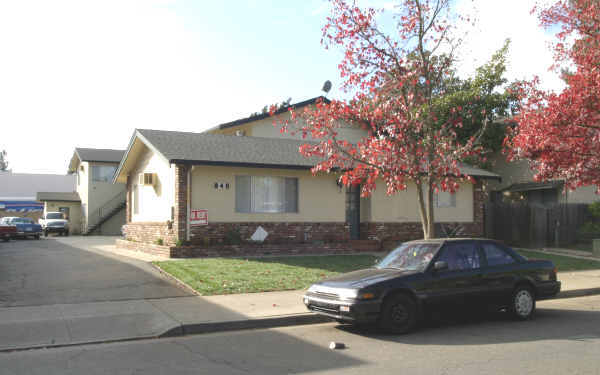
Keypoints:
pixel 440 265
pixel 377 260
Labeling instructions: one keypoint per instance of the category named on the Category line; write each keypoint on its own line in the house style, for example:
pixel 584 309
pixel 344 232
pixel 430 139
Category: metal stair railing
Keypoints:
pixel 108 209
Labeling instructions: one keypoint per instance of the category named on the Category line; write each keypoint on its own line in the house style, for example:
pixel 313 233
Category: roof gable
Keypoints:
pixel 263 116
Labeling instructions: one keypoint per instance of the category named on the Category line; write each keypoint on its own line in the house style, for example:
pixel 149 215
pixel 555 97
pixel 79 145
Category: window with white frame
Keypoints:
pixel 266 194
pixel 445 199
pixel 103 173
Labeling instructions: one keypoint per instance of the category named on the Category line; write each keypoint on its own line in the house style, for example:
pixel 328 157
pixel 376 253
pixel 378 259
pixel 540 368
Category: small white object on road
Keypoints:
pixel 336 345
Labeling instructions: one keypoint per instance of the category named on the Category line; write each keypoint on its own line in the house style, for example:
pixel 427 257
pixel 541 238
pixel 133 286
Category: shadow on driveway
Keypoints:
pixel 61 271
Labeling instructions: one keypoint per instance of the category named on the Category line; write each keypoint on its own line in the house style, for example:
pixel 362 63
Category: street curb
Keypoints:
pixel 238 325
pixel 195 329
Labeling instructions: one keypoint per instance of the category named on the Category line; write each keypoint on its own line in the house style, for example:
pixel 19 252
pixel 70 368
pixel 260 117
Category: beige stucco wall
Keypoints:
pixel 265 128
pixel 586 194
pixel 512 173
pixel 113 225
pixel 319 199
pixel 83 186
pixel 74 213
pixel 519 172
pixel 155 202
pixel 99 192
pixel 403 206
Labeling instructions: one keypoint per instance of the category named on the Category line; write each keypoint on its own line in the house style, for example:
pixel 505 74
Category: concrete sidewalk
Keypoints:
pixel 75 324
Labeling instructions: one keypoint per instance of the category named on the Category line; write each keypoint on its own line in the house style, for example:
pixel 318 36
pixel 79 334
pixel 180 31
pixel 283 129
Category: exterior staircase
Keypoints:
pixel 104 213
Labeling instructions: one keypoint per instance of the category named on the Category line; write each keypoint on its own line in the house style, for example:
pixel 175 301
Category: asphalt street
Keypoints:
pixel 564 338
pixel 63 270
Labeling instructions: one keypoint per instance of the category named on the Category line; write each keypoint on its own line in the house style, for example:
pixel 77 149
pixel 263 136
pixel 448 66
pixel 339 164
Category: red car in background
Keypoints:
pixel 7 232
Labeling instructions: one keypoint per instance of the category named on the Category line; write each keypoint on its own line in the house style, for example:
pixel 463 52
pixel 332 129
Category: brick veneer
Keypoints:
pixel 150 232
pixel 181 196
pixel 250 249
pixel 296 232
pixel 302 235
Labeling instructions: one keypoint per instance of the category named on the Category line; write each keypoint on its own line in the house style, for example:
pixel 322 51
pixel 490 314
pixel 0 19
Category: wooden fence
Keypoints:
pixel 533 225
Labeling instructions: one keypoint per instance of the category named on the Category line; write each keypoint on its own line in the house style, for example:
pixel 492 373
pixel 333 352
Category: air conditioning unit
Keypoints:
pixel 147 179
pixel 240 133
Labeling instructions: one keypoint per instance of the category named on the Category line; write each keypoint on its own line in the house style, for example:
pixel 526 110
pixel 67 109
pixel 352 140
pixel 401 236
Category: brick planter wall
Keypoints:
pixel 295 233
pixel 250 249
pixel 164 251
pixel 149 233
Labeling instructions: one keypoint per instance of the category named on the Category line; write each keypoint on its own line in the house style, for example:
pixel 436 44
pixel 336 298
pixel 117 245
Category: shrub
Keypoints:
pixel 232 237
pixel 592 228
pixel 159 242
pixel 179 243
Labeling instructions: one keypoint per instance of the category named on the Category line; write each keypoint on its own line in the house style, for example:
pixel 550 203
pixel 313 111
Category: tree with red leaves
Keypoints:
pixel 560 133
pixel 407 98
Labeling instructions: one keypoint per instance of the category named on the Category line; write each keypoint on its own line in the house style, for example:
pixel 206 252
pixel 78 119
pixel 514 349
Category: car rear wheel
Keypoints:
pixel 37 236
pixel 398 314
pixel 523 302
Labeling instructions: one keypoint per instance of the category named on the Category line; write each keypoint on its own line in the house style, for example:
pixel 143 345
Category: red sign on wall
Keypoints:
pixel 199 217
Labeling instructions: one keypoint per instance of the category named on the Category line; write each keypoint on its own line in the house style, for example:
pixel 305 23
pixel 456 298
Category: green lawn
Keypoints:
pixel 563 263
pixel 228 276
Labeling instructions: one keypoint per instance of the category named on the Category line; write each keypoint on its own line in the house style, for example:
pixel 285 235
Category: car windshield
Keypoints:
pixel 54 215
pixel 21 220
pixel 410 257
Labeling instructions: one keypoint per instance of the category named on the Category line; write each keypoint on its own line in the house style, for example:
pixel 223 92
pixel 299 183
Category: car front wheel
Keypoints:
pixel 398 314
pixel 523 302
pixel 45 233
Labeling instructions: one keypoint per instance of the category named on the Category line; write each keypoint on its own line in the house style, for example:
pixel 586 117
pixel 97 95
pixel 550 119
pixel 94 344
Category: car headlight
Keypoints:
pixel 347 293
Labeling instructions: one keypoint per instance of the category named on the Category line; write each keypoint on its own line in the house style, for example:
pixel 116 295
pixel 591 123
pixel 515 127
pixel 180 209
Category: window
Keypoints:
pixel 266 194
pixel 445 199
pixel 103 173
pixel 65 211
pixel 495 255
pixel 460 256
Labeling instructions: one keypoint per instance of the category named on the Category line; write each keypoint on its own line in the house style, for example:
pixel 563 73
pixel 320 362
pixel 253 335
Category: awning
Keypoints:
pixel 21 206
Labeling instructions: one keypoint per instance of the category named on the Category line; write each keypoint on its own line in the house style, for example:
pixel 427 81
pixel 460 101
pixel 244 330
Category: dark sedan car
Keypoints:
pixel 435 274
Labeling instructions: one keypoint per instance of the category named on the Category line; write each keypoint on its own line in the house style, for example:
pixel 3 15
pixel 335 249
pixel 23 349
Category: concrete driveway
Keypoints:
pixel 65 270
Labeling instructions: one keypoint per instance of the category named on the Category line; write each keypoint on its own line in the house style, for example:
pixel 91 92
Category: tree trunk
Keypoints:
pixel 430 211
pixel 426 209
pixel 422 210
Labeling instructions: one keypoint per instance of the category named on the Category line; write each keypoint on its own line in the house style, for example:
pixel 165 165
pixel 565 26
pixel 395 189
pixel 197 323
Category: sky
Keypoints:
pixel 79 73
